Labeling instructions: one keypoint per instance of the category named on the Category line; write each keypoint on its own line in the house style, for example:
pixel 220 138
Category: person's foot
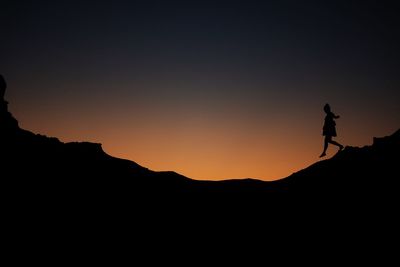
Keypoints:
pixel 322 155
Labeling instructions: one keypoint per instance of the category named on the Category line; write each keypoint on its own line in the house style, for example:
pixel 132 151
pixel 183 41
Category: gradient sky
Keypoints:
pixel 209 89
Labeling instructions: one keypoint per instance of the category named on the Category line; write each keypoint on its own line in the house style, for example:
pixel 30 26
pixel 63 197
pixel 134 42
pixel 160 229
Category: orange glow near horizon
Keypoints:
pixel 207 146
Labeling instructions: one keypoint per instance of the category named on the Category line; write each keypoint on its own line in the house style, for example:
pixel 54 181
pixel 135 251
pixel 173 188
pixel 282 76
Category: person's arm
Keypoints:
pixel 335 116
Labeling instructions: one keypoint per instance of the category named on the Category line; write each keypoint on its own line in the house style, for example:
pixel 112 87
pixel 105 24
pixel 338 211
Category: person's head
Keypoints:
pixel 327 108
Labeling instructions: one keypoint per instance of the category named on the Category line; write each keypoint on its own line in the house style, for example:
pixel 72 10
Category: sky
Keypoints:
pixel 210 89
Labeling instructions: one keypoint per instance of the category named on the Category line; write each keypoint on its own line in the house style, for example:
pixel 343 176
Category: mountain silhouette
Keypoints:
pixel 35 167
pixel 74 195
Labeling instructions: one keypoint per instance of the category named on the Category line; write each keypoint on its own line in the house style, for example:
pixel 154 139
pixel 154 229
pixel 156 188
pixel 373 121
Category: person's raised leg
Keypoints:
pixel 336 144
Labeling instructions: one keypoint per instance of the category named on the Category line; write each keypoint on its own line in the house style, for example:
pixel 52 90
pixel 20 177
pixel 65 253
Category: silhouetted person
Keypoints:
pixel 329 129
pixel 3 86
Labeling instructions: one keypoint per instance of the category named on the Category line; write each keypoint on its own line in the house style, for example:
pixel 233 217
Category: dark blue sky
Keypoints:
pixel 339 41
pixel 254 66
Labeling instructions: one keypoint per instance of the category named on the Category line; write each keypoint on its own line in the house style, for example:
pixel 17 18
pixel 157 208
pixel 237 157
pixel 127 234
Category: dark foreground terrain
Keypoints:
pixel 67 200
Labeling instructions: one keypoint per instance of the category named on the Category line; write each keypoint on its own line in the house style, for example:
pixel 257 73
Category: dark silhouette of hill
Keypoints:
pixel 35 167
pixel 74 195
